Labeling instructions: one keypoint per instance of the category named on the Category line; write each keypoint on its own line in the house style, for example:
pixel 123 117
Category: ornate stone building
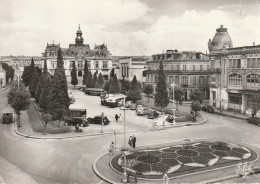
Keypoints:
pixel 187 69
pixel 98 58
pixel 235 85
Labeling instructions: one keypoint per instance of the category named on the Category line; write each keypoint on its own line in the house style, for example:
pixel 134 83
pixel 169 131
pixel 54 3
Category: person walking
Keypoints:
pixel 130 141
pixel 134 141
pixel 116 117
pixel 112 148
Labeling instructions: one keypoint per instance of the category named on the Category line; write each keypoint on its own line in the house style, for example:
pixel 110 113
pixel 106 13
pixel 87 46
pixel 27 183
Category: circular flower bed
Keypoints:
pixel 175 159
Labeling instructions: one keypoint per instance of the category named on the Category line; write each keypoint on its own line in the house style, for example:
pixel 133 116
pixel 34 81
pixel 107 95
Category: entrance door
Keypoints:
pixel 214 98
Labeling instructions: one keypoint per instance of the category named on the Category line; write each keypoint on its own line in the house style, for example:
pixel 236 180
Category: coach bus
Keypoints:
pixel 79 113
pixel 94 91
pixel 113 100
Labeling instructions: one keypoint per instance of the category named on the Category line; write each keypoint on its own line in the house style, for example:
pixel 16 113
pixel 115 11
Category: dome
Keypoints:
pixel 221 40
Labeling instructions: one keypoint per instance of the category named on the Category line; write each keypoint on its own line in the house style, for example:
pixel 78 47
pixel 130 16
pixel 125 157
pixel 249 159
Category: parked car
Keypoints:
pixel 76 121
pixel 142 111
pixel 98 120
pixel 207 108
pixel 255 121
pixel 133 106
pixel 128 104
pixel 153 114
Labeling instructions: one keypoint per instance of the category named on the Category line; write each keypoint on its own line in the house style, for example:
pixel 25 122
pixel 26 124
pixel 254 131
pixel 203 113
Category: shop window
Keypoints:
pixel 235 80
pixel 235 98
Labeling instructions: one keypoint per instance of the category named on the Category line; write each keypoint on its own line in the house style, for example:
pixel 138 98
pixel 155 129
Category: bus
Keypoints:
pixel 79 113
pixel 81 87
pixel 94 91
pixel 113 100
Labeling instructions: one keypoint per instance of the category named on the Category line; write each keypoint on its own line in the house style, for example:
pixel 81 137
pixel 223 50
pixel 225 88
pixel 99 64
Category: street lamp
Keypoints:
pixel 173 109
pixel 102 115
pixel 124 174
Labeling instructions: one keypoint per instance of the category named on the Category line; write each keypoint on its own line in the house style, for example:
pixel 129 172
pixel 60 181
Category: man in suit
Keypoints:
pixel 134 141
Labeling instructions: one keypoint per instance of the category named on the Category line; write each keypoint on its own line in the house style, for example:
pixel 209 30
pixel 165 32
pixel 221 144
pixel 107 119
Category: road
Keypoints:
pixel 70 160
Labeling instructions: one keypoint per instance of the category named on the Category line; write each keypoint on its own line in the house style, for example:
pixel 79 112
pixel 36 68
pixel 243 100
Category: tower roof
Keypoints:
pixel 220 40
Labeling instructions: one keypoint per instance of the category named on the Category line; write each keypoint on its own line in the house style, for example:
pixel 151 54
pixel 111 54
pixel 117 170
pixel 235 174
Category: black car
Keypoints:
pixel 153 114
pixel 76 121
pixel 255 121
pixel 98 120
pixel 207 108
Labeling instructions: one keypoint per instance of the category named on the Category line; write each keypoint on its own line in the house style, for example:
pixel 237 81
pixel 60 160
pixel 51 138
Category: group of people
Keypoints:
pixel 132 141
pixel 118 118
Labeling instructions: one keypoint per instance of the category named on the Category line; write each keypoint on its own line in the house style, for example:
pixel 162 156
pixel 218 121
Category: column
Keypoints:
pixel 243 106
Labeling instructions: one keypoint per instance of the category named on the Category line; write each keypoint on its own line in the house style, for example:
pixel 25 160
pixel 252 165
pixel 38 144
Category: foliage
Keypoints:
pixel 13 89
pixel 195 106
pixel 95 79
pixel 85 75
pixel 197 96
pixel 100 81
pixel 124 86
pixel 178 94
pixel 112 73
pixel 40 86
pixel 134 92
pixel 148 89
pixel 26 76
pixel 46 118
pixel 89 81
pixel 74 79
pixel 59 101
pixel 114 88
pixel 9 71
pixel 45 69
pixel 161 94
pixel 107 86
pixel 34 83
pixel 46 94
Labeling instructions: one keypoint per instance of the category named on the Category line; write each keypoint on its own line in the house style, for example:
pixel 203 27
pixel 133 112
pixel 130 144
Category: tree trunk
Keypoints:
pixel 19 124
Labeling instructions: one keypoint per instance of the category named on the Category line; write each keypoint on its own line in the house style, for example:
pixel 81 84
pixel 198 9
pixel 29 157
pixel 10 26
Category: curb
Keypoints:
pixel 97 172
pixel 232 116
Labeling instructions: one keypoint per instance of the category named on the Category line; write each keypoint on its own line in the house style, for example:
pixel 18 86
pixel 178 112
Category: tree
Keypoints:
pixel 26 76
pixel 74 79
pixel 95 79
pixel 39 89
pixel 100 81
pixel 114 87
pixel 89 81
pixel 46 94
pixel 45 69
pixel 32 69
pixel 161 94
pixel 148 89
pixel 46 118
pixel 197 96
pixel 178 94
pixel 107 86
pixel 195 106
pixel 34 83
pixel 13 89
pixel 9 72
pixel 85 75
pixel 134 92
pixel 59 100
pixel 112 73
pixel 20 101
pixel 124 86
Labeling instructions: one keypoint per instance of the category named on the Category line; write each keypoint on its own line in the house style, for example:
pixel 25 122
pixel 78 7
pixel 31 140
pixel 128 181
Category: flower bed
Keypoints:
pixel 183 158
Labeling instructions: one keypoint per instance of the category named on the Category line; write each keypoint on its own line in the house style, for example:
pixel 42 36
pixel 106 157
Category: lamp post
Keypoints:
pixel 102 115
pixel 124 174
pixel 115 139
pixel 173 109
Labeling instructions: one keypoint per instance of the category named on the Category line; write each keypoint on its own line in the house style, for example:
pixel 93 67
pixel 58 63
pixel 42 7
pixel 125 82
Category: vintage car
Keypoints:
pixel 141 110
pixel 153 115
pixel 98 120
pixel 76 121
pixel 255 121
pixel 207 108
pixel 8 116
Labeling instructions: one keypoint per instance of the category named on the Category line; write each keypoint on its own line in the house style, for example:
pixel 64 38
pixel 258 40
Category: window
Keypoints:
pixel 253 78
pixel 97 64
pixel 184 80
pixel 171 67
pixel 253 63
pixel 194 80
pixel 53 64
pixel 235 98
pixel 104 64
pixel 80 64
pixel 178 67
pixel 79 73
pixel 184 67
pixel 249 63
pixel 238 63
pixel 177 80
pixel 258 62
pixel 235 79
pixel 71 64
pixel 201 80
pixel 201 67
pixel 213 79
pixel 194 68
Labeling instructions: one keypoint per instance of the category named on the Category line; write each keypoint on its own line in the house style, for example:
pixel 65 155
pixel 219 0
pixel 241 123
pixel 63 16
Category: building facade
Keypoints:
pixel 187 69
pixel 132 66
pixel 98 59
pixel 235 84
pixel 2 77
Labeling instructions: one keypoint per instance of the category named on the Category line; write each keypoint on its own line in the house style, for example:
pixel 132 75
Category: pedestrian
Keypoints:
pixel 112 148
pixel 134 141
pixel 116 117
pixel 119 118
pixel 130 141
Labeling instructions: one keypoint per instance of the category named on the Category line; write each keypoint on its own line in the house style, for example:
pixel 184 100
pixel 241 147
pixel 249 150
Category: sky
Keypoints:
pixel 128 27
